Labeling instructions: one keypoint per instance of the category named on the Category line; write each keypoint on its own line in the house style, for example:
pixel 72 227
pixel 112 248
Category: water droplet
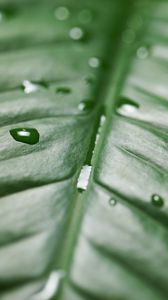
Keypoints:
pixel 142 52
pixel 157 200
pixel 90 79
pixel 83 179
pixel 127 107
pixel 25 135
pixel 77 33
pixel 30 87
pixel 94 62
pixel 112 202
pixel 136 22
pixel 128 36
pixel 62 13
pixel 63 90
pixel 86 105
pixel 51 287
pixel 85 16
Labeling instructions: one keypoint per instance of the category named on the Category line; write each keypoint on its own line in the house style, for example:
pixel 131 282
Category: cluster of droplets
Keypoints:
pixel 85 16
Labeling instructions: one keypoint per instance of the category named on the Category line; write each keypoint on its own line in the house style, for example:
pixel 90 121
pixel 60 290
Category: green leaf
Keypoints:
pixel 93 84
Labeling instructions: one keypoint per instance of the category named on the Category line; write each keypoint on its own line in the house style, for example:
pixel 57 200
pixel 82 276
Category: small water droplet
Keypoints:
pixel 112 202
pixel 94 62
pixel 77 34
pixel 84 178
pixel 86 105
pixel 63 90
pixel 135 22
pixel 51 287
pixel 30 87
pixel 157 200
pixel 85 16
pixel 142 52
pixel 128 36
pixel 127 107
pixel 90 79
pixel 62 13
pixel 25 135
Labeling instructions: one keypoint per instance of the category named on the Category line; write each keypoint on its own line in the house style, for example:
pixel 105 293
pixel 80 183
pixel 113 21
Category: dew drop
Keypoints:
pixel 142 52
pixel 63 90
pixel 77 34
pixel 62 13
pixel 157 200
pixel 136 22
pixel 25 135
pixel 128 36
pixel 90 79
pixel 85 16
pixel 83 179
pixel 94 62
pixel 86 105
pixel 112 202
pixel 127 107
pixel 30 87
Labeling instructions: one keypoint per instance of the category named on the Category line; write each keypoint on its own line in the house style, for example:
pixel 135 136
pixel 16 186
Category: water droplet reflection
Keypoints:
pixel 25 135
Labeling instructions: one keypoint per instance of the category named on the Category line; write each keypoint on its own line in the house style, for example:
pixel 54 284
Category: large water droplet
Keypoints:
pixel 127 107
pixel 30 87
pixel 157 200
pixel 94 62
pixel 77 34
pixel 86 105
pixel 112 202
pixel 85 16
pixel 25 135
pixel 62 13
pixel 142 52
pixel 63 90
pixel 51 288
pixel 84 178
